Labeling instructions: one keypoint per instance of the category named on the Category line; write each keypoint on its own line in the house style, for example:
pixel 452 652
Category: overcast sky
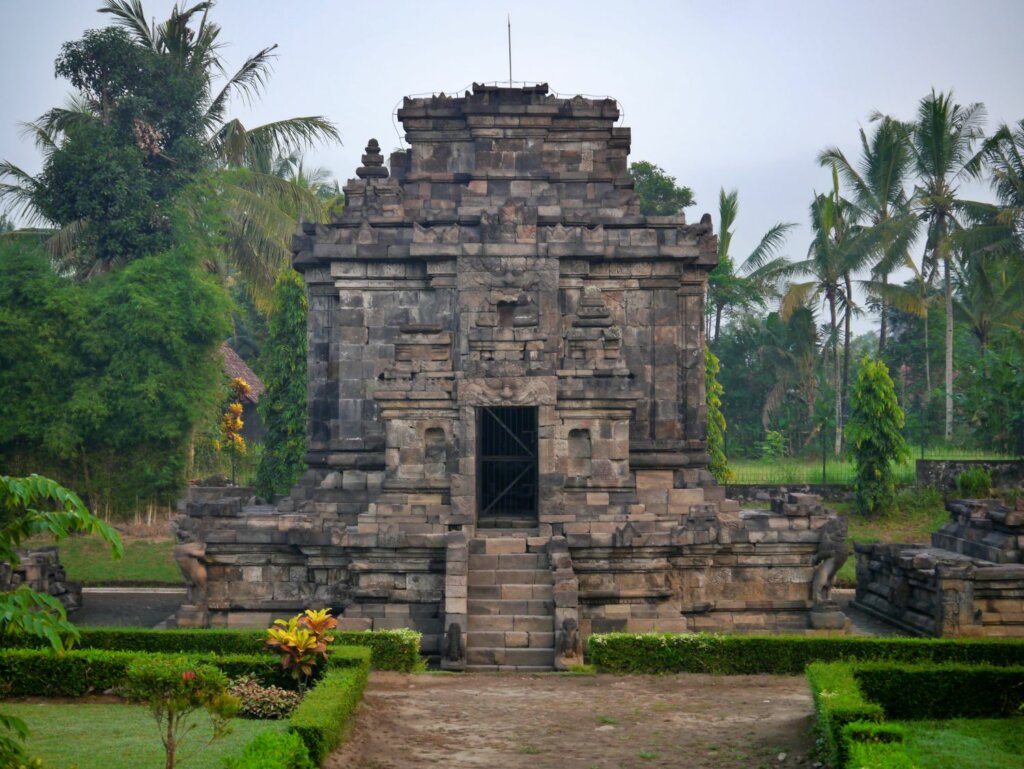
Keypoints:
pixel 736 93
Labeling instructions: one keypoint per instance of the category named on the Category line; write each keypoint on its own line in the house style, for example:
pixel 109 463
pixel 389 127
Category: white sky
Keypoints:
pixel 734 93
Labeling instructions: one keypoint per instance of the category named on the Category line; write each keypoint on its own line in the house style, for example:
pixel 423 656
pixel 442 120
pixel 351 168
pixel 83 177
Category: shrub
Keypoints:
pixel 974 483
pixel 389 649
pixel 716 419
pixel 781 655
pixel 875 434
pixel 258 701
pixel 773 446
pixel 273 750
pixel 175 689
pixel 324 714
pixel 302 641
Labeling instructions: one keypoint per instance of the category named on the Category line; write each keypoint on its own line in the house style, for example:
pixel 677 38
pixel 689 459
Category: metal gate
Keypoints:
pixel 506 463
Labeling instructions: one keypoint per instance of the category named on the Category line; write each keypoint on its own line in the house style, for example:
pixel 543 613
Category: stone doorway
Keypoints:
pixel 507 472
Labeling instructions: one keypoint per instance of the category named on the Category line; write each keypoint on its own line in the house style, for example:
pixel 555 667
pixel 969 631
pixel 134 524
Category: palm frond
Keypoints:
pixel 17 194
pixel 283 136
pixel 129 14
pixel 797 295
pixel 767 248
pixel 249 80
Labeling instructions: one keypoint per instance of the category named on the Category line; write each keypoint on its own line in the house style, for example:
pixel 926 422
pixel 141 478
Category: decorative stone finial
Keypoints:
pixel 373 163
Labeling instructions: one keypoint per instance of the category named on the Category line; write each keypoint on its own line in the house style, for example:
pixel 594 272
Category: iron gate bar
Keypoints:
pixel 507 481
pixel 504 427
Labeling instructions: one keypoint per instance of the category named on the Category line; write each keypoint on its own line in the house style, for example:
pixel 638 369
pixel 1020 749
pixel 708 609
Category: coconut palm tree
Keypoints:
pixel 877 182
pixel 942 144
pixel 838 250
pixel 756 282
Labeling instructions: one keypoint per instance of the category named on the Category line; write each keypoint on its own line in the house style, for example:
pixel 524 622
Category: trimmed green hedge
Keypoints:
pixel 392 649
pixel 940 692
pixel 852 701
pixel 736 655
pixel 323 716
pixel 42 673
pixel 273 750
pixel 839 702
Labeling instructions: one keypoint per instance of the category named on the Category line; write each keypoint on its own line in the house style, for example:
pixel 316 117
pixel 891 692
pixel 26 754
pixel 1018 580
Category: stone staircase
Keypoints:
pixel 510 614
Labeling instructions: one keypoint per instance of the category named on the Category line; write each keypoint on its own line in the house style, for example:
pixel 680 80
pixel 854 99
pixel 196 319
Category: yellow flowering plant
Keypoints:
pixel 231 424
pixel 302 641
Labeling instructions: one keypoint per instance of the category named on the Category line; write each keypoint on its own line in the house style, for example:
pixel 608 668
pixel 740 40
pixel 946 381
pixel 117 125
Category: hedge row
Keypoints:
pixel 41 673
pixel 391 649
pixel 735 655
pixel 942 692
pixel 840 703
pixel 322 718
pixel 853 699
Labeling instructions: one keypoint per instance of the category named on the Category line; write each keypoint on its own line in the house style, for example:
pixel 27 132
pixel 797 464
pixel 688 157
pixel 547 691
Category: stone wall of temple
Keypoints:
pixel 969 582
pixel 503 262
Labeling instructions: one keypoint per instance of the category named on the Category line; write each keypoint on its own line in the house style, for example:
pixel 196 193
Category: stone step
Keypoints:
pixel 539 623
pixel 510 577
pixel 503 656
pixel 508 561
pixel 497 545
pixel 512 592
pixel 510 608
pixel 509 668
pixel 511 639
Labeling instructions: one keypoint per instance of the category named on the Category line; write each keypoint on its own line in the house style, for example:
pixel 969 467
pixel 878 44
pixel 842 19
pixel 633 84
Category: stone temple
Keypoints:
pixel 507 436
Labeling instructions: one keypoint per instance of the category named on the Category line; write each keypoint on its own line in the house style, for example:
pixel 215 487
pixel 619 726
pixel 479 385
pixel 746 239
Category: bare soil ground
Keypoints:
pixel 612 722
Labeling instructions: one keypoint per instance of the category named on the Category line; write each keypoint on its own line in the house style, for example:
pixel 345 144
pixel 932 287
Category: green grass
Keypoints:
pixel 103 736
pixel 147 562
pixel 771 471
pixel 989 743
pixel 918 513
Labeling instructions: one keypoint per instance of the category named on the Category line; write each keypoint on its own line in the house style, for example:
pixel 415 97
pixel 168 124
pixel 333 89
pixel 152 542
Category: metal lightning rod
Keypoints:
pixel 509 17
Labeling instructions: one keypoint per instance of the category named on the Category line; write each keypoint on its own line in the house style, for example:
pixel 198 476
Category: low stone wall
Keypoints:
pixel 942 473
pixel 765 492
pixel 969 582
pixel 42 571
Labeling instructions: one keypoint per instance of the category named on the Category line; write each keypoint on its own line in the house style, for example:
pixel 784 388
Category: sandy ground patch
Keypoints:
pixel 537 721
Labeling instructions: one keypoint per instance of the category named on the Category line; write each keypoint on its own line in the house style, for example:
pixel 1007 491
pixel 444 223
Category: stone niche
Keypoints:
pixel 507 436
pixel 968 582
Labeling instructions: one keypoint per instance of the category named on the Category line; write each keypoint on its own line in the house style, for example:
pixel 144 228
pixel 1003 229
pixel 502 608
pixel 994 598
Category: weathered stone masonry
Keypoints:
pixel 500 281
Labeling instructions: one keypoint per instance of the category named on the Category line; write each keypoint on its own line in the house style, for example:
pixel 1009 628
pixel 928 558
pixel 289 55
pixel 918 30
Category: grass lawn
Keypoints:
pixel 145 561
pixel 105 736
pixel 772 471
pixel 976 743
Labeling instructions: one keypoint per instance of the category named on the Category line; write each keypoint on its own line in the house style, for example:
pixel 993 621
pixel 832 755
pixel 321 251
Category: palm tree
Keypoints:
pixel 1005 156
pixel 759 274
pixel 877 183
pixel 838 249
pixel 942 140
pixel 260 206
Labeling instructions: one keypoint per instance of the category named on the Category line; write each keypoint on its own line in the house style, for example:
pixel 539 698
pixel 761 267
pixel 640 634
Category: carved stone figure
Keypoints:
pixel 568 643
pixel 829 559
pixel 453 651
pixel 189 556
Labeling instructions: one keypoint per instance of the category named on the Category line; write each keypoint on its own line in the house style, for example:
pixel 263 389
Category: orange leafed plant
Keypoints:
pixel 302 641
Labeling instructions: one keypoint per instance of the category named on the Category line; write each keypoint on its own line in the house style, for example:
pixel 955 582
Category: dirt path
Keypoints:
pixel 579 722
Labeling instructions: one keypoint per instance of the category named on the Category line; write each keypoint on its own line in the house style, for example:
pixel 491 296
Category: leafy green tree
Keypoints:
pixel 758 277
pixel 658 192
pixel 283 405
pixel 875 433
pixel 30 507
pixel 716 419
pixel 103 381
